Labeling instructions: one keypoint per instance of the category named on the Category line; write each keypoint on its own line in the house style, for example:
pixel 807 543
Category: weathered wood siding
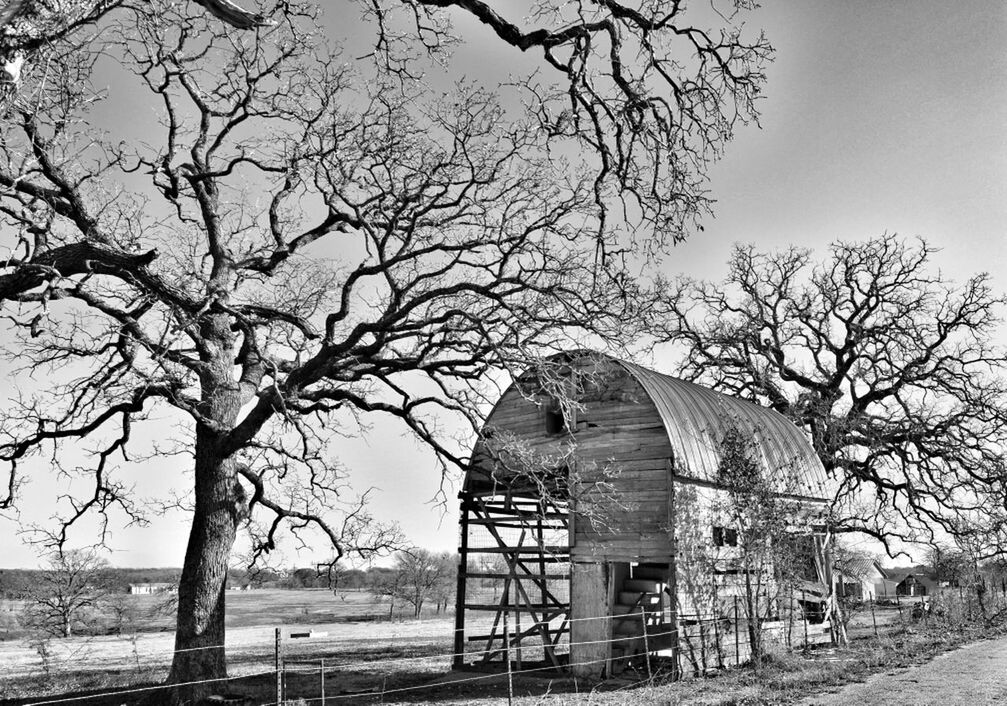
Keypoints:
pixel 590 628
pixel 620 458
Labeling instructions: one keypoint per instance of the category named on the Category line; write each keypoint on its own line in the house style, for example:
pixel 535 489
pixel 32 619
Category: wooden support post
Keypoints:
pixel 510 674
pixel 874 618
pixel 458 660
pixel 548 653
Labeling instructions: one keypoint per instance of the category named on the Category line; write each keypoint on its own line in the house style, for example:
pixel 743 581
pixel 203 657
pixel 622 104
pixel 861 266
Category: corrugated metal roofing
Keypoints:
pixel 696 419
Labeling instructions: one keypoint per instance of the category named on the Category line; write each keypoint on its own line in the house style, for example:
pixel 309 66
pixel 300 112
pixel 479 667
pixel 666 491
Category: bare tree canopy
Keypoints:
pixel 648 90
pixel 300 245
pixel 71 583
pixel 418 576
pixel 892 369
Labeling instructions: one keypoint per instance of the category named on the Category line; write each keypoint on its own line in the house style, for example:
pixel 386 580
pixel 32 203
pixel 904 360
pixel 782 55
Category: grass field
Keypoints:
pixel 364 652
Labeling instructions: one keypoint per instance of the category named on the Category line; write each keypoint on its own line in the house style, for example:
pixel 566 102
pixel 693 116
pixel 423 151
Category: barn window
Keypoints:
pixel 555 421
pixel 725 537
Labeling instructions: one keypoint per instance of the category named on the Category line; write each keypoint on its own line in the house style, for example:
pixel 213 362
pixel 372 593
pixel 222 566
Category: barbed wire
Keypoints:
pixel 638 612
pixel 141 689
pixel 119 692
pixel 385 692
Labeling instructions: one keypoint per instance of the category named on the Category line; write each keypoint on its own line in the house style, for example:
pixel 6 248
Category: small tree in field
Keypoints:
pixel 420 576
pixel 71 584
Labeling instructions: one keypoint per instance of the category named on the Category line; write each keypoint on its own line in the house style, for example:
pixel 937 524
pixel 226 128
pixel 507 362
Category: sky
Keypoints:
pixel 877 117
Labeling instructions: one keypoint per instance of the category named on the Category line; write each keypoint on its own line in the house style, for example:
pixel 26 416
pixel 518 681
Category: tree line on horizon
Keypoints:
pixel 79 590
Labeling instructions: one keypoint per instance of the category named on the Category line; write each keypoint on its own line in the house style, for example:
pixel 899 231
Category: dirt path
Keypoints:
pixel 972 675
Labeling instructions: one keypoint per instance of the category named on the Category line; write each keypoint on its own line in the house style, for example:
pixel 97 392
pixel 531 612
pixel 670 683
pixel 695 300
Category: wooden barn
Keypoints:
pixel 590 529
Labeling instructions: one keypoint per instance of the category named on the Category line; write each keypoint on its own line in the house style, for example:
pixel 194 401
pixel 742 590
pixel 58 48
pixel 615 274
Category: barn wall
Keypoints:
pixel 706 585
pixel 621 463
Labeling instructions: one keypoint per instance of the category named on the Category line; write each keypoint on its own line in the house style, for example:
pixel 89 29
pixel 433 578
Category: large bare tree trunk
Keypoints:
pixel 200 625
pixel 220 506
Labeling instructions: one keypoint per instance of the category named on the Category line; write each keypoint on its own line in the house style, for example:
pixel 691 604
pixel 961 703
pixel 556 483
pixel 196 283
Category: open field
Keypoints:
pixel 357 632
pixel 364 652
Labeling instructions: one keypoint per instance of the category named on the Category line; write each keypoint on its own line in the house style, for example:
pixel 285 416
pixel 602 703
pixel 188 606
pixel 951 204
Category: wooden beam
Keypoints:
pixel 552 550
pixel 547 577
pixel 556 631
pixel 458 661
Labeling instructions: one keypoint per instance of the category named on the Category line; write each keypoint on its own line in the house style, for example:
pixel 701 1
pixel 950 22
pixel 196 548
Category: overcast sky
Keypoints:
pixel 878 117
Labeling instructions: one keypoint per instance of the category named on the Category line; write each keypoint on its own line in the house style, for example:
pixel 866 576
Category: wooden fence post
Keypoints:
pixel 646 643
pixel 321 669
pixel 716 638
pixel 790 621
pixel 804 616
pixel 278 657
pixel 874 618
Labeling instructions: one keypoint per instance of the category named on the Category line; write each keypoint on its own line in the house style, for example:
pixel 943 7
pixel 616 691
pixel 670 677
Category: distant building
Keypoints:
pixel 146 589
pixel 862 578
pixel 911 581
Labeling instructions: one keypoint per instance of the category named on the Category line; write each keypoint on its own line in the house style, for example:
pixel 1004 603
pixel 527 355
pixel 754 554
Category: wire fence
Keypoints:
pixel 327 667
pixel 695 644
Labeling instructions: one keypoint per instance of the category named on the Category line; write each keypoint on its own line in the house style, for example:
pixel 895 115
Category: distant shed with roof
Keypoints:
pixel 919 580
pixel 572 506
pixel 862 578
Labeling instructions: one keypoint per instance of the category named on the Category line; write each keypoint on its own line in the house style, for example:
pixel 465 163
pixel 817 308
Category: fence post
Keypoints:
pixel 874 618
pixel 790 620
pixel 278 655
pixel 321 669
pixel 716 642
pixel 804 615
pixel 646 643
pixel 737 626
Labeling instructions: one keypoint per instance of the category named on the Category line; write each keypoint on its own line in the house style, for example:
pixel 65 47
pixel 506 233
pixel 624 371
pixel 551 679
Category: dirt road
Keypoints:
pixel 973 675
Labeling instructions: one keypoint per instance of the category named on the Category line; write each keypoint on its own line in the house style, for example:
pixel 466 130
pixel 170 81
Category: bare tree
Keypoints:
pixel 892 369
pixel 418 576
pixel 647 88
pixel 72 583
pixel 301 247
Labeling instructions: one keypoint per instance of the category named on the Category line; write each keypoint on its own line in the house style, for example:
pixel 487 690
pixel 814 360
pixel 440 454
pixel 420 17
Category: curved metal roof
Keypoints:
pixel 696 418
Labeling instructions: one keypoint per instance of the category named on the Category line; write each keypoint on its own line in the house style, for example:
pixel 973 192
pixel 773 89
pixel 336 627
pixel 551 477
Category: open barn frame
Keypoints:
pixel 571 514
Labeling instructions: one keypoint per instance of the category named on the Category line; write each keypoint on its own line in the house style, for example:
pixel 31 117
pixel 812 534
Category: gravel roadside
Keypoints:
pixel 975 675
